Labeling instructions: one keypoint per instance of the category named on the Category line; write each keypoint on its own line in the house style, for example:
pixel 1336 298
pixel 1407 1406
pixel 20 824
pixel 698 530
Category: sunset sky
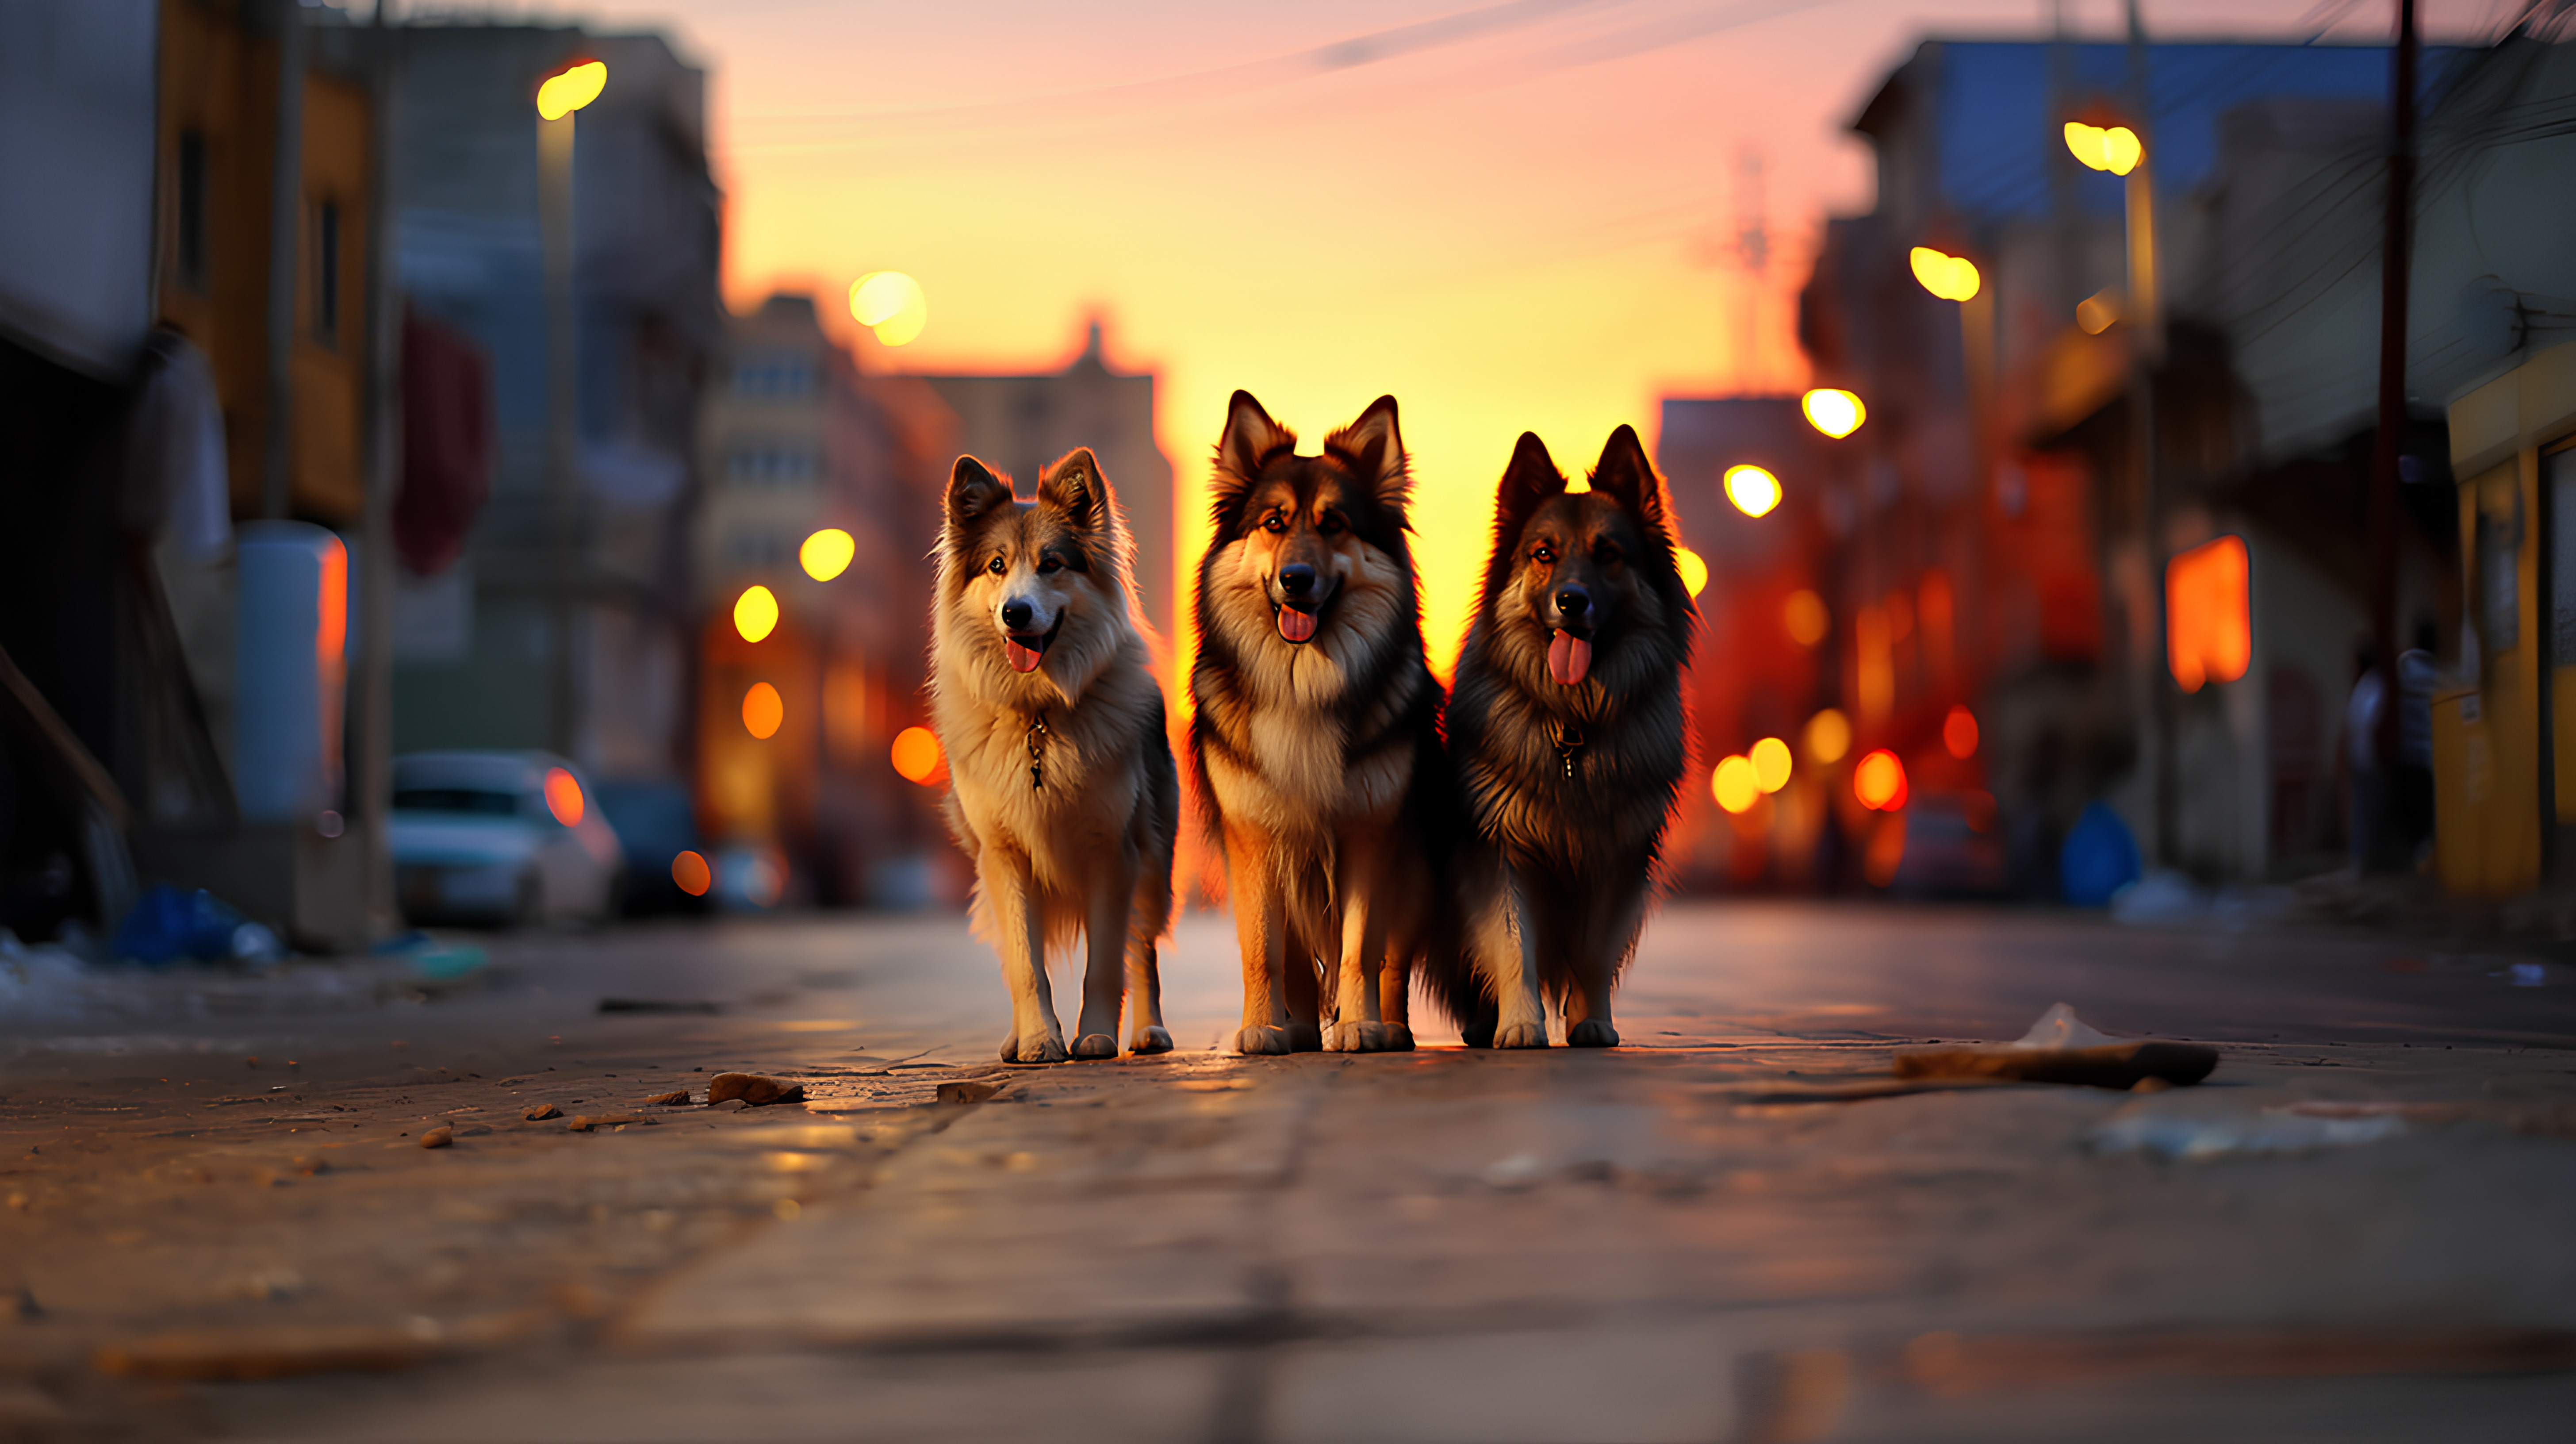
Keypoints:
pixel 1515 216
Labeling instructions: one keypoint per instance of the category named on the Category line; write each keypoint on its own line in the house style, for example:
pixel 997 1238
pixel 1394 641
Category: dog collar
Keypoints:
pixel 1038 735
pixel 1569 744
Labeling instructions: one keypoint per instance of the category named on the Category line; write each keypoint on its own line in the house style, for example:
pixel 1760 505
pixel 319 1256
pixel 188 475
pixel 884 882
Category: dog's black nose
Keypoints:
pixel 1297 579
pixel 1572 603
pixel 1015 615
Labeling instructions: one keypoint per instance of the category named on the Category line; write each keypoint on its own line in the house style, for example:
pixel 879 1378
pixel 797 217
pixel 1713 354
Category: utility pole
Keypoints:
pixel 285 232
pixel 2395 256
pixel 2144 306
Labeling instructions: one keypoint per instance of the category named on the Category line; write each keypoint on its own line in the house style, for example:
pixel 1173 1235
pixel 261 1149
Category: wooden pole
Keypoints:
pixel 2395 253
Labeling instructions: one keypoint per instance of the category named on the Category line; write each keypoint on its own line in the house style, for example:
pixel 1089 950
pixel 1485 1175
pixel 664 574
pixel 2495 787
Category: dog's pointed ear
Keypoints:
pixel 973 490
pixel 1075 487
pixel 1624 474
pixel 1531 478
pixel 1373 448
pixel 1251 437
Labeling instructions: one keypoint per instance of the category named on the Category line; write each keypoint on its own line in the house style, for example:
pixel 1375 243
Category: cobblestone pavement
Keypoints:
pixel 219 1222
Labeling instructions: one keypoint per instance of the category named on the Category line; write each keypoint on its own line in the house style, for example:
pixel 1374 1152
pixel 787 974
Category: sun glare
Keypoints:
pixel 891 304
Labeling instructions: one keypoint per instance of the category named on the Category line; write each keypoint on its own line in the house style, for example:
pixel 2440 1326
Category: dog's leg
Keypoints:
pixel 1261 933
pixel 1395 994
pixel 1145 992
pixel 1523 1020
pixel 1304 987
pixel 1605 931
pixel 1104 975
pixel 1355 1027
pixel 1019 930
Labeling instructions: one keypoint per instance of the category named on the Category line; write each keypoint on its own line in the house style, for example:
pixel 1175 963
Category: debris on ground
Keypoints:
pixel 542 1112
pixel 2062 1048
pixel 440 1137
pixel 585 1122
pixel 677 1098
pixel 968 1090
pixel 754 1089
pixel 2173 1136
pixel 167 924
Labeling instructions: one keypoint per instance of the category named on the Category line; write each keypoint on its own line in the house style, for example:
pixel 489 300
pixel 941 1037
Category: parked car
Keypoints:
pixel 501 838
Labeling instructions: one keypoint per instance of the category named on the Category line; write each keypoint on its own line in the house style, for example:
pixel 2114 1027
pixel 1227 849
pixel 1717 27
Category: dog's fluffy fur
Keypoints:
pixel 1567 731
pixel 1316 744
pixel 1061 781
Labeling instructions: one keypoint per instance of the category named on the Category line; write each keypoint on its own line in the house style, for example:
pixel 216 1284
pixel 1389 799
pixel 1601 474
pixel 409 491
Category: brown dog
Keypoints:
pixel 1567 730
pixel 1316 742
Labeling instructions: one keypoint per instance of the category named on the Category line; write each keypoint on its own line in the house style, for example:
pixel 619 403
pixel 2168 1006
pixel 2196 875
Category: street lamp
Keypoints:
pixel 1835 413
pixel 2117 150
pixel 558 96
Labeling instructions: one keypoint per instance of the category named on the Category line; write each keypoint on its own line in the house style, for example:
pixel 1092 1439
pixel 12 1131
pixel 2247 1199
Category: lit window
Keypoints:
pixel 2209 626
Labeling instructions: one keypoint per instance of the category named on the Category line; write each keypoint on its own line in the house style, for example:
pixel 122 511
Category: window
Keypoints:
pixel 326 273
pixel 772 376
pixel 756 549
pixel 192 209
pixel 777 465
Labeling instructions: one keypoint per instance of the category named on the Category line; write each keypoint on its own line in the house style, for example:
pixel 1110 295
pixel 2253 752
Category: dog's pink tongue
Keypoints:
pixel 1023 659
pixel 1568 658
pixel 1295 625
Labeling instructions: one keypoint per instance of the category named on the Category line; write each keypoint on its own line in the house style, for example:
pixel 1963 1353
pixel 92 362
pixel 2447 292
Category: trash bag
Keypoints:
pixel 2099 858
pixel 167 925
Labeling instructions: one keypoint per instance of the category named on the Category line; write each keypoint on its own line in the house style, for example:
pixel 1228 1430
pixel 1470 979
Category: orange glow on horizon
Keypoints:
pixel 563 796
pixel 2209 626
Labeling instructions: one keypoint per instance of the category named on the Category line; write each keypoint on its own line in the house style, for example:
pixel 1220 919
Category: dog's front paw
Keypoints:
pixel 1261 1040
pixel 1368 1038
pixel 1095 1045
pixel 1592 1033
pixel 1045 1047
pixel 1394 1038
pixel 1521 1035
pixel 1155 1039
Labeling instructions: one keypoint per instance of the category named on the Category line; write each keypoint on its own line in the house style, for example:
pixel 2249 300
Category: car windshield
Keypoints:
pixel 457 799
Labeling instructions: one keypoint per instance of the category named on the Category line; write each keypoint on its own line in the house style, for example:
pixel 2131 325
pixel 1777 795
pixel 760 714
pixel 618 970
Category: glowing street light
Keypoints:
pixel 1753 490
pixel 826 554
pixel 1772 764
pixel 755 613
pixel 1835 413
pixel 571 88
pixel 1952 278
pixel 891 304
pixel 1735 784
pixel 2114 148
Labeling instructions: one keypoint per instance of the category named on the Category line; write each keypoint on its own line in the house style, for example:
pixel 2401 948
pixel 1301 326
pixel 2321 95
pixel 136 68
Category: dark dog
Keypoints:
pixel 1567 732
pixel 1316 742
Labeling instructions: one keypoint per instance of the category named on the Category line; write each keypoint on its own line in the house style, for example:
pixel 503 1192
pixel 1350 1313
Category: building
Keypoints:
pixel 795 441
pixel 569 622
pixel 1018 425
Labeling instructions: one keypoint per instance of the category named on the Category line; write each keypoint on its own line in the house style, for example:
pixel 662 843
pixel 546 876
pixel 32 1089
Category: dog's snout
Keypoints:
pixel 1017 615
pixel 1573 603
pixel 1297 579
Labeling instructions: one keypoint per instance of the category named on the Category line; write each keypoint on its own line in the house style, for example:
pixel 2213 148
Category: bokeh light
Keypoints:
pixel 1805 617
pixel 563 796
pixel 1694 569
pixel 1734 784
pixel 755 613
pixel 572 88
pixel 1879 781
pixel 1952 278
pixel 691 875
pixel 2114 148
pixel 1835 413
pixel 891 304
pixel 1959 733
pixel 2100 311
pixel 1753 490
pixel 1828 737
pixel 2209 629
pixel 917 757
pixel 1771 764
pixel 826 554
pixel 762 711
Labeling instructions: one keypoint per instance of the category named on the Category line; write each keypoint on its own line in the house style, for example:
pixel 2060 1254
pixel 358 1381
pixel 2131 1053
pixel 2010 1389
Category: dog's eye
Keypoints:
pixel 1331 524
pixel 1050 566
pixel 995 566
pixel 1274 523
pixel 1543 554
pixel 1607 554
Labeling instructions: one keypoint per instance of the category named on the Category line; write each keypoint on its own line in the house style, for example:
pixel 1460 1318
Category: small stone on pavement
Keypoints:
pixel 439 1137
pixel 753 1089
pixel 542 1112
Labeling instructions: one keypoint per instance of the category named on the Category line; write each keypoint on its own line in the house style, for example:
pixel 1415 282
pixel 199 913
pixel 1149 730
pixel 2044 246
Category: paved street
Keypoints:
pixel 2356 1230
